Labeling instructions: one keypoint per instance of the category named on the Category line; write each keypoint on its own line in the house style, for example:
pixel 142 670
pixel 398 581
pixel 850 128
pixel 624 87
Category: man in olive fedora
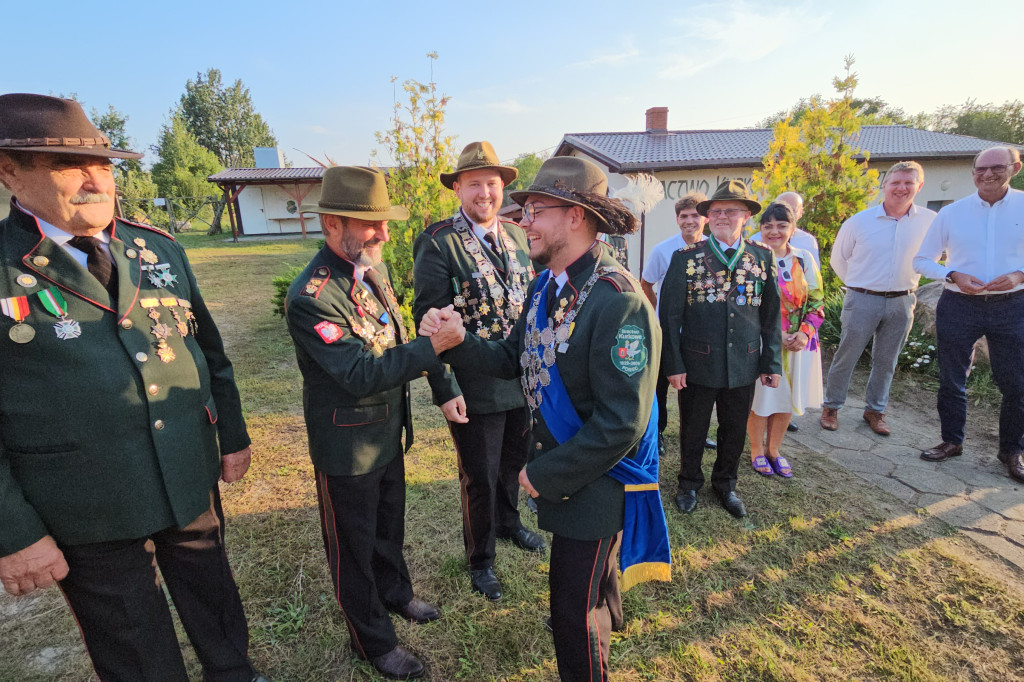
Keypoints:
pixel 480 264
pixel 357 361
pixel 586 350
pixel 118 411
pixel 723 332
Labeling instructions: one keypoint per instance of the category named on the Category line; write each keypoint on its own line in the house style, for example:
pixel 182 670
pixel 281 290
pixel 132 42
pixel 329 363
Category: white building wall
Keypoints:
pixel 267 209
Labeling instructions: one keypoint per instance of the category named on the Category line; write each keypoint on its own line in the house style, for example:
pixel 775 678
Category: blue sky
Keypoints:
pixel 520 74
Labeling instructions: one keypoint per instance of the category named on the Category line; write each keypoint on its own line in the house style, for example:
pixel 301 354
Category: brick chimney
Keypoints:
pixel 657 120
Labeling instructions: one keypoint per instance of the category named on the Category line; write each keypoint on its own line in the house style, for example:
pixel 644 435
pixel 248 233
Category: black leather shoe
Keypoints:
pixel 419 611
pixel 398 664
pixel 1015 466
pixel 531 504
pixel 526 539
pixel 686 501
pixel 792 428
pixel 486 583
pixel 942 451
pixel 1005 454
pixel 732 503
pixel 710 444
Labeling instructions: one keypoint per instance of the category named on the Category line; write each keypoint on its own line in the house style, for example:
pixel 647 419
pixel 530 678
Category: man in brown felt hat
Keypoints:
pixel 588 333
pixel 357 361
pixel 723 332
pixel 118 411
pixel 480 264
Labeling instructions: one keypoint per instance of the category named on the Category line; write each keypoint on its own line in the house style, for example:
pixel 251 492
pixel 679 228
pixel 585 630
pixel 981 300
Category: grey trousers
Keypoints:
pixel 866 317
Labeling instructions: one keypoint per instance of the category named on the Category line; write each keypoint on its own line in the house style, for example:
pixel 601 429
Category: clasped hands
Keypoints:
pixel 969 284
pixel 444 328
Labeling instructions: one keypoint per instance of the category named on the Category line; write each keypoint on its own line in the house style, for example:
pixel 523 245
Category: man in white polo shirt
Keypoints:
pixel 873 255
pixel 983 238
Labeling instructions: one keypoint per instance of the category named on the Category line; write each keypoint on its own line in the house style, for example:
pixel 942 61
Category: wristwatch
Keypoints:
pixel 949 277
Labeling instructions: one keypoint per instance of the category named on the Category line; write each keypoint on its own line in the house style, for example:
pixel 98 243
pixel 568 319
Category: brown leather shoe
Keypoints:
pixel 1015 466
pixel 398 664
pixel 943 451
pixel 419 611
pixel 829 419
pixel 876 420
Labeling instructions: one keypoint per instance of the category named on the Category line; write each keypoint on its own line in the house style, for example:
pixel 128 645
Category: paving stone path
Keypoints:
pixel 972 492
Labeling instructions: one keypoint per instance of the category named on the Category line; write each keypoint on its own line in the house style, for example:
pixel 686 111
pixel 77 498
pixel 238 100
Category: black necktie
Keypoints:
pixel 98 261
pixel 729 253
pixel 552 296
pixel 492 241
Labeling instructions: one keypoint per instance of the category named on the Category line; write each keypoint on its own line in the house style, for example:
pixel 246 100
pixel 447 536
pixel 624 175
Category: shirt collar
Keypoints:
pixel 724 246
pixel 58 235
pixel 479 230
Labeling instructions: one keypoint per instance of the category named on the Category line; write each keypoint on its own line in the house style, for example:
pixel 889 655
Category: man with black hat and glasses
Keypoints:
pixel 357 361
pixel 118 411
pixel 480 264
pixel 723 332
pixel 586 349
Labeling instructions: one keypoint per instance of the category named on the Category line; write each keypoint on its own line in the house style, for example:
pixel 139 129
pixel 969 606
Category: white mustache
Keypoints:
pixel 90 198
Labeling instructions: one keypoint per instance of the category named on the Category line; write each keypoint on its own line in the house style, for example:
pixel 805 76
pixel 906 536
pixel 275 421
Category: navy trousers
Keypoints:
pixel 960 320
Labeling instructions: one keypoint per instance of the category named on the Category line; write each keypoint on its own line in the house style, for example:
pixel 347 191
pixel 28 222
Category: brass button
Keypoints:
pixel 141 357
pixel 730 344
pixel 153 389
pixel 732 314
pixel 131 253
pixel 158 425
pixel 40 261
pixel 539 446
pixel 126 324
pixel 424 373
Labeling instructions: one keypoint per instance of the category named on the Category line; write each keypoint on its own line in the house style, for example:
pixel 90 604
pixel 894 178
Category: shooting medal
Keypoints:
pixel 55 304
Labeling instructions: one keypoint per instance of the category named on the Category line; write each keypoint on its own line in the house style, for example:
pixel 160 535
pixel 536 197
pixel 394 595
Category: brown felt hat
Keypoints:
pixel 477 156
pixel 356 192
pixel 39 123
pixel 568 179
pixel 730 190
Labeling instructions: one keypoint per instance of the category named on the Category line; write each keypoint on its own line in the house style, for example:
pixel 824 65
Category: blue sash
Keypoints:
pixel 645 553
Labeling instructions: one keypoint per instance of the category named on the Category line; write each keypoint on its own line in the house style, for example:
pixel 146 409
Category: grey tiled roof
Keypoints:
pixel 690 149
pixel 267 175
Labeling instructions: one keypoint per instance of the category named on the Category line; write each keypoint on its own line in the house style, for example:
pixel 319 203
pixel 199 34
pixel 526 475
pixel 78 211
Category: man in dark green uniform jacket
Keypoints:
pixel 604 341
pixel 118 410
pixel 720 337
pixel 356 362
pixel 480 265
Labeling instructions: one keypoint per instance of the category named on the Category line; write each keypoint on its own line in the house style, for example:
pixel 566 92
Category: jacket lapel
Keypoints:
pixel 53 263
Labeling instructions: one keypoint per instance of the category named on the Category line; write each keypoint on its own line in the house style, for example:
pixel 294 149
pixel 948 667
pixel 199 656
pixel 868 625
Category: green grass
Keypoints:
pixel 827 579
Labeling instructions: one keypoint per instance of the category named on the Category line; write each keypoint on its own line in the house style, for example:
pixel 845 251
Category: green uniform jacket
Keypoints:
pixel 99 439
pixel 577 499
pixel 444 270
pixel 355 368
pixel 731 340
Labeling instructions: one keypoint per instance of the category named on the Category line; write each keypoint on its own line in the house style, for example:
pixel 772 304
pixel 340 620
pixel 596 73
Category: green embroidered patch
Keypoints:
pixel 629 354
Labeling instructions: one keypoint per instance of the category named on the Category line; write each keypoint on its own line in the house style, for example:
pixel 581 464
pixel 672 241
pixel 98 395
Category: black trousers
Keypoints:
pixel 586 604
pixel 121 609
pixel 363 523
pixel 695 405
pixel 491 450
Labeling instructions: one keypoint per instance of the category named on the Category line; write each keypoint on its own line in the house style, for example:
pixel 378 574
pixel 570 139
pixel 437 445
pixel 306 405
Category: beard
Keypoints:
pixel 366 254
pixel 552 249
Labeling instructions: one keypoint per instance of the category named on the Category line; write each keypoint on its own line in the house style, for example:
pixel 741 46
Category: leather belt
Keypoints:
pixel 989 298
pixel 883 294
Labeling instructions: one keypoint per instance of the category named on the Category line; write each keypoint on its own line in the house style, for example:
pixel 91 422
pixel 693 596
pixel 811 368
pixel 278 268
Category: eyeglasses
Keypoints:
pixel 996 170
pixel 530 211
pixel 731 212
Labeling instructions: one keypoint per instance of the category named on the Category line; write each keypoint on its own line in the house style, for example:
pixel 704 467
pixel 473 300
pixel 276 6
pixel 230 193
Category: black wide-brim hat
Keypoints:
pixel 356 192
pixel 731 190
pixel 479 156
pixel 40 123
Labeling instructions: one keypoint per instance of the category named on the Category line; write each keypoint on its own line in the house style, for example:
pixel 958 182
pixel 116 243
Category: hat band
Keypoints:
pixel 56 142
pixel 346 206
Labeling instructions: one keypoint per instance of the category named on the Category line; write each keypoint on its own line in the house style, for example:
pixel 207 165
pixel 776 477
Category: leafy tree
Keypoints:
pixel 420 151
pixel 223 119
pixel 528 165
pixel 1004 123
pixel 114 125
pixel 816 157
pixel 184 165
pixel 871 111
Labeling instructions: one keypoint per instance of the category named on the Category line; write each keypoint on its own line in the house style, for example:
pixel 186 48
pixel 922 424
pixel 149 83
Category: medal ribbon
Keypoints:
pixel 729 263
pixel 15 307
pixel 53 301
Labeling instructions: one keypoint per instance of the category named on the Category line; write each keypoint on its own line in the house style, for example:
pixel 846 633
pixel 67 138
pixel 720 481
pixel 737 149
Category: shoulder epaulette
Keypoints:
pixel 162 233
pixel 691 247
pixel 439 225
pixel 316 283
pixel 619 280
pixel 752 242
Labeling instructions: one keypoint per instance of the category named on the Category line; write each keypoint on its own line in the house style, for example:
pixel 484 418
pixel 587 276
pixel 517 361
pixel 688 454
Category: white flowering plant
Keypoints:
pixel 919 353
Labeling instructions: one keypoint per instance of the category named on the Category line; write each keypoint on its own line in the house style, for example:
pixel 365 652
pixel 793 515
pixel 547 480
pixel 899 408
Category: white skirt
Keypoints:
pixel 800 389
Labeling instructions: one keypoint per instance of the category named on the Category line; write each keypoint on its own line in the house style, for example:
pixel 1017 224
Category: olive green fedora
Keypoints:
pixel 478 156
pixel 730 190
pixel 356 192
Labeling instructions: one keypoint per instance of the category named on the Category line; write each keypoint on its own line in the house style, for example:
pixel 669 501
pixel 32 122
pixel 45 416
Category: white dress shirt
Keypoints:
pixel 980 239
pixel 875 251
pixel 801 239
pixel 62 238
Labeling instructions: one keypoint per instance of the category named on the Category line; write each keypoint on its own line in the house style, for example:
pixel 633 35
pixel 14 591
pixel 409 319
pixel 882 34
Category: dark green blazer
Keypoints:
pixel 100 439
pixel 721 343
pixel 442 270
pixel 577 498
pixel 355 368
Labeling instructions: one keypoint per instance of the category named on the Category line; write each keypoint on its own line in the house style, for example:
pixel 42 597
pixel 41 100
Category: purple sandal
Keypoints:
pixel 760 463
pixel 781 466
